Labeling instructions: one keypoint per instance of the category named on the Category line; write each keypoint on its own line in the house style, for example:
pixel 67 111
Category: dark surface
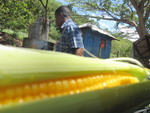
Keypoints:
pixel 141 50
pixel 10 40
pixel 37 44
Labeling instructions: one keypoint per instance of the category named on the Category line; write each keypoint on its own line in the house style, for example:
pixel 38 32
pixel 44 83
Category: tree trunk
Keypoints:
pixel 141 26
pixel 38 35
pixel 39 29
pixel 141 29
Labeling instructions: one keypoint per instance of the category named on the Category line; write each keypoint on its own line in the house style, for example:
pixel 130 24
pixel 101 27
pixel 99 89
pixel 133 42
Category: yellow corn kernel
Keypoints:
pixel 59 87
pixel 51 88
pixel 72 84
pixel 18 92
pixel 34 89
pixel 26 90
pixel 43 87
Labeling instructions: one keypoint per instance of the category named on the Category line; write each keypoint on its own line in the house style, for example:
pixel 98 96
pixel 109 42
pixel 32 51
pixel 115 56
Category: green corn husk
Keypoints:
pixel 20 66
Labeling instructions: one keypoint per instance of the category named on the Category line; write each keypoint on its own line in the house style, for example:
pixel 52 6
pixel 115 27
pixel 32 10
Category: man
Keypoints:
pixel 71 40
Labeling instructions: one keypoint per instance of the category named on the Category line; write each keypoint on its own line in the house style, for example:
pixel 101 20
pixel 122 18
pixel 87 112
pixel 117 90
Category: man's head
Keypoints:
pixel 62 14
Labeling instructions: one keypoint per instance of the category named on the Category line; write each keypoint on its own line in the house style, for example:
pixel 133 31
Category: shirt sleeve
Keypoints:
pixel 75 39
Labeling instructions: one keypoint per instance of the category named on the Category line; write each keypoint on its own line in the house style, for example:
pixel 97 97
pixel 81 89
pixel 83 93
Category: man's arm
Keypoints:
pixel 75 40
pixel 78 51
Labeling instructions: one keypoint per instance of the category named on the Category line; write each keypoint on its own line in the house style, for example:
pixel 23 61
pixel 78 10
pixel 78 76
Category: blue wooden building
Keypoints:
pixel 96 41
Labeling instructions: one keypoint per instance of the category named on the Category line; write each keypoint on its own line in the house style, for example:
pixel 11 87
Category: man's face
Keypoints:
pixel 58 20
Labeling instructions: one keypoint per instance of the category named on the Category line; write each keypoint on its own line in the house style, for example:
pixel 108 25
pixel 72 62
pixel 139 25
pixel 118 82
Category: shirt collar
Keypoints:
pixel 65 23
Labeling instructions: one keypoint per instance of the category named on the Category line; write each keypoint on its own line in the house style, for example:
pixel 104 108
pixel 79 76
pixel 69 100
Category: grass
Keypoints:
pixel 17 34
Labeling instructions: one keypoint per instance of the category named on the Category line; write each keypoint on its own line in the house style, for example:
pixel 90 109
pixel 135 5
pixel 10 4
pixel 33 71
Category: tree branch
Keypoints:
pixel 146 5
pixel 132 12
pixel 45 8
pixel 113 19
pixel 134 3
pixel 42 3
pixel 110 13
pixel 101 9
pixel 147 14
pixel 92 6
pixel 46 3
pixel 141 5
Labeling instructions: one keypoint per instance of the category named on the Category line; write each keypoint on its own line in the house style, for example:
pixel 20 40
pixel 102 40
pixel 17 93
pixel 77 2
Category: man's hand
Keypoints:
pixel 78 51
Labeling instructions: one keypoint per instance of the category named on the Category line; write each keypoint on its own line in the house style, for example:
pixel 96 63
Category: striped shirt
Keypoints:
pixel 71 37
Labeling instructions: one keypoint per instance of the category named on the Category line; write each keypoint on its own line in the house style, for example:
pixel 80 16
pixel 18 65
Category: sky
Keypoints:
pixel 106 24
pixel 132 35
pixel 103 23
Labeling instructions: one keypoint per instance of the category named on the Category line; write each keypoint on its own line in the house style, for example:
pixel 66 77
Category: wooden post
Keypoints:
pixel 38 35
pixel 39 29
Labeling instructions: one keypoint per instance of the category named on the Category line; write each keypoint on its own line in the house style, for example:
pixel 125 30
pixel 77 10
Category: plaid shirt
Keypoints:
pixel 71 37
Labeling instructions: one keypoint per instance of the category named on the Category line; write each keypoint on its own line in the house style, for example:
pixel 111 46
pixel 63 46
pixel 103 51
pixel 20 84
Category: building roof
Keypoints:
pixel 95 28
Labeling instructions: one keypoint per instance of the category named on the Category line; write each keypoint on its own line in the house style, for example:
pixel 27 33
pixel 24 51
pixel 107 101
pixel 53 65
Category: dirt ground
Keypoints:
pixel 7 39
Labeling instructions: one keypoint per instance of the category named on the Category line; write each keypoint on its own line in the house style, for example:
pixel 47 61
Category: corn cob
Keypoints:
pixel 32 75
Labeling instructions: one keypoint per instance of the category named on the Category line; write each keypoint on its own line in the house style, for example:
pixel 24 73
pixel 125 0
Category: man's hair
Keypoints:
pixel 64 10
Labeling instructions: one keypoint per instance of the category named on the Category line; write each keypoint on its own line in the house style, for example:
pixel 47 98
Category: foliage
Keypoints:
pixel 18 15
pixel 134 13
pixel 15 14
pixel 121 47
pixel 78 18
pixel 18 34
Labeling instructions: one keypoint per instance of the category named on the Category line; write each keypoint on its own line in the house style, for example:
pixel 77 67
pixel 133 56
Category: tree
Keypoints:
pixel 18 15
pixel 15 14
pixel 134 13
pixel 121 47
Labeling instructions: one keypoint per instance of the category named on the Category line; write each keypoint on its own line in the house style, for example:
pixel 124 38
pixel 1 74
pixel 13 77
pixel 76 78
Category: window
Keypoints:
pixel 103 44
